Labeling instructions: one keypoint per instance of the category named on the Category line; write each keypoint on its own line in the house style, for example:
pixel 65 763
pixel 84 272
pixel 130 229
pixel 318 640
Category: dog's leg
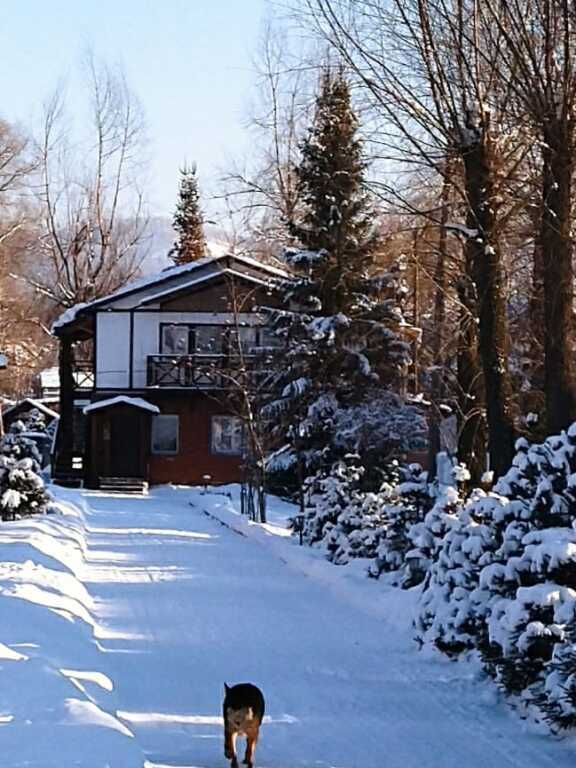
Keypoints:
pixel 229 744
pixel 234 763
pixel 251 741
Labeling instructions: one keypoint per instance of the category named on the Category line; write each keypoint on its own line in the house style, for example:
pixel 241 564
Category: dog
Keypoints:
pixel 243 711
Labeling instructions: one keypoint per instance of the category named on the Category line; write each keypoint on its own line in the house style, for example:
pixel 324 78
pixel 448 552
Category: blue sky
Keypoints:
pixel 189 61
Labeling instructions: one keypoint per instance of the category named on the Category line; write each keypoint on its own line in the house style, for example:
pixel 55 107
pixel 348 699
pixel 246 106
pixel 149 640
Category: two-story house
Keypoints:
pixel 148 375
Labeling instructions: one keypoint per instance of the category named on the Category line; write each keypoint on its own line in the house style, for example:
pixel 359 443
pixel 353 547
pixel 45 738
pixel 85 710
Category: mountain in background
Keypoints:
pixel 161 238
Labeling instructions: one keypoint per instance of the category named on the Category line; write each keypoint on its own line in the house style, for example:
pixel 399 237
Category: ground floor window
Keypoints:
pixel 227 435
pixel 165 429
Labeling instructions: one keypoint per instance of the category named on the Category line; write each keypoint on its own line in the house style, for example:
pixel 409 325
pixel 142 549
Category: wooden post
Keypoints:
pixel 66 424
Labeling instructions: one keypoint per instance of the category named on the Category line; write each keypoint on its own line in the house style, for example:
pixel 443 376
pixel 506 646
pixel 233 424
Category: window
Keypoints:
pixel 269 338
pixel 165 429
pixel 210 338
pixel 177 340
pixel 227 435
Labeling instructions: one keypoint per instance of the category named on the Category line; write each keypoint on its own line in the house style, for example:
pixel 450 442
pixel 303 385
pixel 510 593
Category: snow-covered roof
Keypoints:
pixel 136 402
pixel 69 315
pixel 166 275
pixel 198 281
pixel 34 404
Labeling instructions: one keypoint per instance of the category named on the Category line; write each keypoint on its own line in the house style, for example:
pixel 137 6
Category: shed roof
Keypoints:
pixel 135 402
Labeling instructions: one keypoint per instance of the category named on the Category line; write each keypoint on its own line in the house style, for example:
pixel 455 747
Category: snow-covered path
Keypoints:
pixel 189 604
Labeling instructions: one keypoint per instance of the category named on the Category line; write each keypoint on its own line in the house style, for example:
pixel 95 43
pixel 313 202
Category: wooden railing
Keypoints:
pixel 83 373
pixel 205 371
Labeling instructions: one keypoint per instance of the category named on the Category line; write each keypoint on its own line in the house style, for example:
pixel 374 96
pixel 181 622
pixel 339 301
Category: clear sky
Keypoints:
pixel 189 61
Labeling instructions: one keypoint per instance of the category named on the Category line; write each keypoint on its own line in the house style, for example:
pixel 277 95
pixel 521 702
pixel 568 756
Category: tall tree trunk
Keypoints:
pixel 471 421
pixel 485 263
pixel 558 277
pixel 416 311
pixel 437 378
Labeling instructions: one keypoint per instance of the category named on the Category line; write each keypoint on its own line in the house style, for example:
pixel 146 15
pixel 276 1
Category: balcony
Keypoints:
pixel 206 371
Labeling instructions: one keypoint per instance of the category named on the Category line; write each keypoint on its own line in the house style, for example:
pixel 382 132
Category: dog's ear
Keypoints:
pixel 226 688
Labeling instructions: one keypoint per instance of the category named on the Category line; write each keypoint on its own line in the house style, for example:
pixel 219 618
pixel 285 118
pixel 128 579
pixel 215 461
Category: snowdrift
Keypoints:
pixel 57 704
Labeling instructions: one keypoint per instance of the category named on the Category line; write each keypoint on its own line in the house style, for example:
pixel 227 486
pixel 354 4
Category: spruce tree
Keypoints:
pixel 339 319
pixel 188 222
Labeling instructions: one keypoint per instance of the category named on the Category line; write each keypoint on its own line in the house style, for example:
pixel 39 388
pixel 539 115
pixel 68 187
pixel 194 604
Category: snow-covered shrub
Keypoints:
pixel 340 516
pixel 450 610
pixel 355 533
pixel 327 494
pixel 409 502
pixel 22 490
pixel 16 446
pixel 504 582
pixel 428 535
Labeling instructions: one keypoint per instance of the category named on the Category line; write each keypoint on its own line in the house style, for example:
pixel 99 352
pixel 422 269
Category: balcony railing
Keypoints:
pixel 206 371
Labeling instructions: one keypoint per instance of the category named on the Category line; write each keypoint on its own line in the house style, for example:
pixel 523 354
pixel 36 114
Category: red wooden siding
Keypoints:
pixel 194 458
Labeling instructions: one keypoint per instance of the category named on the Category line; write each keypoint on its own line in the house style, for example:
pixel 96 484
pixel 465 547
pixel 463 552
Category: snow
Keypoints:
pixel 69 315
pixel 121 618
pixel 137 402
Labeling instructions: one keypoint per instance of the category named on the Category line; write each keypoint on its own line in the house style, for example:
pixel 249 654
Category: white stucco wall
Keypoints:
pixel 112 349
pixel 113 341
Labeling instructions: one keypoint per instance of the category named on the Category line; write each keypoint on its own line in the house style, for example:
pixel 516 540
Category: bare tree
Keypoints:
pixel 23 331
pixel 538 58
pixel 263 191
pixel 93 207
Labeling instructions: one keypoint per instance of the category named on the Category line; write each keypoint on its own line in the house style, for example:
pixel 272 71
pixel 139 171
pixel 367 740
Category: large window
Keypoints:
pixel 227 435
pixel 165 428
pixel 177 339
pixel 210 339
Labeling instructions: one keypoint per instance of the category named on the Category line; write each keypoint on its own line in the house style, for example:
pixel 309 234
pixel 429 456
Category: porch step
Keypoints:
pixel 123 484
pixel 68 481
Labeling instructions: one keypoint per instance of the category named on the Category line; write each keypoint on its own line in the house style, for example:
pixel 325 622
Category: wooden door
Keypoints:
pixel 126 444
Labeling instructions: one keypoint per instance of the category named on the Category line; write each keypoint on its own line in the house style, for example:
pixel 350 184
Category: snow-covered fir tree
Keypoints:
pixel 340 319
pixel 327 494
pixel 188 221
pixel 504 580
pixel 341 517
pixel 411 499
pixel 22 489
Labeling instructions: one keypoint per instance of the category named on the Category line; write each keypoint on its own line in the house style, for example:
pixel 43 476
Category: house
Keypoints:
pixel 157 401
pixel 49 381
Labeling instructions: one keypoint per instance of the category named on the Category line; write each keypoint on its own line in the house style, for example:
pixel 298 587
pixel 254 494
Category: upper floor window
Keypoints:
pixel 185 339
pixel 177 339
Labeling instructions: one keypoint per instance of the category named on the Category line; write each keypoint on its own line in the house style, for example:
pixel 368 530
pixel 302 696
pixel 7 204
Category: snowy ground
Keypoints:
pixel 121 620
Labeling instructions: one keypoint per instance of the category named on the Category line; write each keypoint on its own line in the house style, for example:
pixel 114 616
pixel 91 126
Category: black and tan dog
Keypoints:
pixel 243 711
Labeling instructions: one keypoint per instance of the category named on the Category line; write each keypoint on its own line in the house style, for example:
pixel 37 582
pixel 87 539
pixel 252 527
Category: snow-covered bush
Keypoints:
pixel 327 495
pixel 428 535
pixel 15 445
pixel 409 502
pixel 450 615
pixel 22 490
pixel 340 516
pixel 504 581
pixel 355 532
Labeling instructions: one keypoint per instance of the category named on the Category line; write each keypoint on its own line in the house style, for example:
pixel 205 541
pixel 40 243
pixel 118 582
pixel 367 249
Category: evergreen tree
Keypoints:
pixel 22 490
pixel 188 220
pixel 339 319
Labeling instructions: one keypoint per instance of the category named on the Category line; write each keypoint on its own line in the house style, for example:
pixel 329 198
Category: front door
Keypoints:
pixel 126 442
